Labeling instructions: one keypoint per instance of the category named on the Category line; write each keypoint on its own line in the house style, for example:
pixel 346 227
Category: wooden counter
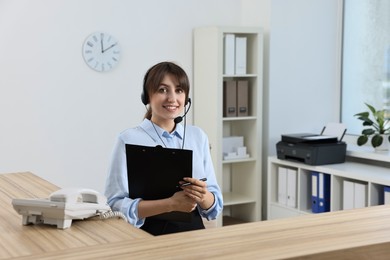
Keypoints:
pixel 351 234
pixel 18 240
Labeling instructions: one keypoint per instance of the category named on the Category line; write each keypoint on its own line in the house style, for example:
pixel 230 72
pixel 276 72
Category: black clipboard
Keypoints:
pixel 154 173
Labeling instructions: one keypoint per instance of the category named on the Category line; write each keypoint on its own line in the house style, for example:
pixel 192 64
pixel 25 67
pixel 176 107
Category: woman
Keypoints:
pixel 165 95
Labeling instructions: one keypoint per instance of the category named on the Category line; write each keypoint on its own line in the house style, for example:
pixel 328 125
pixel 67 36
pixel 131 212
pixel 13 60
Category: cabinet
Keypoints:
pixel 373 179
pixel 240 179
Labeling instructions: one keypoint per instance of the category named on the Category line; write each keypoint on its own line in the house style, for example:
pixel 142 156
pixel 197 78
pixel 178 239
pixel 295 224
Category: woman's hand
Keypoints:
pixel 198 192
pixel 182 202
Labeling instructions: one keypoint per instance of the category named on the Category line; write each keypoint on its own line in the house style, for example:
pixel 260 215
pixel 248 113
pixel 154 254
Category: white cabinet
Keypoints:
pixel 352 185
pixel 239 178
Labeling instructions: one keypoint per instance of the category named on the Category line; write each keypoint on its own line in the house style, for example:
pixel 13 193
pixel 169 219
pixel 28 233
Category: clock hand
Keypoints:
pixel 110 47
pixel 101 43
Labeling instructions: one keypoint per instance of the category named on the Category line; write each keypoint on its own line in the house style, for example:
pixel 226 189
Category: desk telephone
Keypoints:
pixel 63 206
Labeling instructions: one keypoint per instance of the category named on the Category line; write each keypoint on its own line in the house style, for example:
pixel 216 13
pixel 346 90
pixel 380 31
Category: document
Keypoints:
pixel 154 173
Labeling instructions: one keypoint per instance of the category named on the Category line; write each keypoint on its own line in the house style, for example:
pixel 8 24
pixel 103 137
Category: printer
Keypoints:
pixel 312 149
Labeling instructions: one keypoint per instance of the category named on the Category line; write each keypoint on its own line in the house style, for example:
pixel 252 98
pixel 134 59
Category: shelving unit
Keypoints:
pixel 375 177
pixel 240 179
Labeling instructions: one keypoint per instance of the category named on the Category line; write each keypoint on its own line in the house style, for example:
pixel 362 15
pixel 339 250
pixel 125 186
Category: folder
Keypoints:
pixel 229 56
pixel 386 191
pixel 154 173
pixel 282 185
pixel 230 98
pixel 360 195
pixel 348 194
pixel 291 188
pixel 354 195
pixel 314 192
pixel 320 192
pixel 323 192
pixel 242 98
pixel 240 62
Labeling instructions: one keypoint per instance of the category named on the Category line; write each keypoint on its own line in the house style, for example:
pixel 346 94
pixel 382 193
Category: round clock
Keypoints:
pixel 101 51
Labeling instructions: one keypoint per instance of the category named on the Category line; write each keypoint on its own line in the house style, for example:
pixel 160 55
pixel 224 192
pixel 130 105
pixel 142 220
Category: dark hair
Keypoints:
pixel 155 75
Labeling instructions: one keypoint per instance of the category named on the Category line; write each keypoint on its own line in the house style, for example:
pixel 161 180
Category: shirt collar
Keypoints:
pixel 147 125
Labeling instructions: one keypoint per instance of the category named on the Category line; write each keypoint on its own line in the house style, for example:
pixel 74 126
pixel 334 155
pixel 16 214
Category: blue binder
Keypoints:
pixel 386 195
pixel 320 192
pixel 314 192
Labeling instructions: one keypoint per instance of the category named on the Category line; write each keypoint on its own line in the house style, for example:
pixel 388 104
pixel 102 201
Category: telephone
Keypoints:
pixel 63 206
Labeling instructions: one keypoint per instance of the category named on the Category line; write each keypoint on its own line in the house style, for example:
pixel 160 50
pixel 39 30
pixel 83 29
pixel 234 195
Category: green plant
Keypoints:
pixel 379 126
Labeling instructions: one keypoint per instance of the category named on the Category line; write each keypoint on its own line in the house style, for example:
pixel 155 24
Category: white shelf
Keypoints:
pixel 231 198
pixel 367 152
pixel 375 177
pixel 239 118
pixel 239 179
pixel 240 76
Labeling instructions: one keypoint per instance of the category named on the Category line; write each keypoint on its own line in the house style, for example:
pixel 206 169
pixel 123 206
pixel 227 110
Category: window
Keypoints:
pixel 365 59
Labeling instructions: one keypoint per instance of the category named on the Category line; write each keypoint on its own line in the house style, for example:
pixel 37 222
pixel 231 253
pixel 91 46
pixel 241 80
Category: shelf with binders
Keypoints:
pixel 351 185
pixel 235 138
pixel 237 51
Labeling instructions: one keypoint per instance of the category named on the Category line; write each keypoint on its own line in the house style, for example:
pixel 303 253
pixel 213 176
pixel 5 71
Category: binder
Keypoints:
pixel 154 173
pixel 230 98
pixel 360 194
pixel 242 98
pixel 240 62
pixel 354 195
pixel 320 192
pixel 282 185
pixel 386 191
pixel 324 192
pixel 348 194
pixel 314 192
pixel 291 188
pixel 229 56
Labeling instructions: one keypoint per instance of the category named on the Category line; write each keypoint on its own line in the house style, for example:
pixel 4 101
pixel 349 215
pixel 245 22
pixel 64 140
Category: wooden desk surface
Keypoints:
pixel 17 240
pixel 353 234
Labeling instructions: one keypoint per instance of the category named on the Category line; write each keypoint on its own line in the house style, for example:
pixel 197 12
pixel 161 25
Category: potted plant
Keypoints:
pixel 378 127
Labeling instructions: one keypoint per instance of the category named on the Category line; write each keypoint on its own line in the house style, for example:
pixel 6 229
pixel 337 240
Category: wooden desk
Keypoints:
pixel 351 234
pixel 17 240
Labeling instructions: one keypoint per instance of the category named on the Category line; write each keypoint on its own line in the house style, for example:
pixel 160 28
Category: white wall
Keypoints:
pixel 59 119
pixel 304 67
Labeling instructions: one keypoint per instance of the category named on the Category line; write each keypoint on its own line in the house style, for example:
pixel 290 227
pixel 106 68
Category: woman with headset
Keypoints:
pixel 165 95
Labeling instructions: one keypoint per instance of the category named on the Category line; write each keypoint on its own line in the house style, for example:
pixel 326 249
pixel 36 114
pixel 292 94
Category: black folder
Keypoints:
pixel 154 173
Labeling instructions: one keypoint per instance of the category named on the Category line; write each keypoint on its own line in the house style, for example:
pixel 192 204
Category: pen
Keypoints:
pixel 189 183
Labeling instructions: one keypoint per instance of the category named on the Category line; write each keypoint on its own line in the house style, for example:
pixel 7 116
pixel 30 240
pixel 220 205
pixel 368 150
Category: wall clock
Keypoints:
pixel 101 51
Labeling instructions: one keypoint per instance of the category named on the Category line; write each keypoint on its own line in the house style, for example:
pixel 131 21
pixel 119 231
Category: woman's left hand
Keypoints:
pixel 198 192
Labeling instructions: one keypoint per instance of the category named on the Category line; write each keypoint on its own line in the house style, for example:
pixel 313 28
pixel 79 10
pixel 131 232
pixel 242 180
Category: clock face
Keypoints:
pixel 101 51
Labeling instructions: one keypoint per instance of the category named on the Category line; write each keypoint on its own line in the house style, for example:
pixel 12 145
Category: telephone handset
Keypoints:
pixel 63 206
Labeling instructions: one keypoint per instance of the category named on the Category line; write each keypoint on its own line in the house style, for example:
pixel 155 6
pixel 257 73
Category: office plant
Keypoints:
pixel 376 126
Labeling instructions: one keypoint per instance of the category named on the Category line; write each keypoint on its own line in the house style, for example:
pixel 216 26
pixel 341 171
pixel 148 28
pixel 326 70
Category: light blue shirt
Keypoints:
pixel 195 139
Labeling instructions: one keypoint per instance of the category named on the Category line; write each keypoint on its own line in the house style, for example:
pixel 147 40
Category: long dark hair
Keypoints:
pixel 155 75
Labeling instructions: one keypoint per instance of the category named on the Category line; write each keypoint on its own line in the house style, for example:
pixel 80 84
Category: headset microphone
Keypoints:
pixel 180 118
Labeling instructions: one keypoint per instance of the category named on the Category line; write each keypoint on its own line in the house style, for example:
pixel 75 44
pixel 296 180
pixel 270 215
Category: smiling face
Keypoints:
pixel 167 102
pixel 166 88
